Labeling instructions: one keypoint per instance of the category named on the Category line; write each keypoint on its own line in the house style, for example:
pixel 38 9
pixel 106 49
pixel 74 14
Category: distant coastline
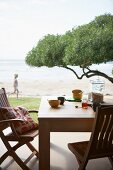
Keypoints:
pixel 38 81
pixel 10 67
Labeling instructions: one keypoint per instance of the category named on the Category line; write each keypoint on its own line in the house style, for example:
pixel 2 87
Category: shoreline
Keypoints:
pixel 54 87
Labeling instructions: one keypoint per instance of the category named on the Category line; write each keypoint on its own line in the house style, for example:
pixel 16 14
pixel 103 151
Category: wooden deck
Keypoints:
pixel 61 157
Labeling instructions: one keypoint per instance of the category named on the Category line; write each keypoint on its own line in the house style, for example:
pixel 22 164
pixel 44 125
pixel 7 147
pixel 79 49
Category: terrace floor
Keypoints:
pixel 61 157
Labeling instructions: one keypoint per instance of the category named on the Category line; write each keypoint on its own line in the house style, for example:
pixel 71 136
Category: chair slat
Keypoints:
pixel 111 137
pixel 103 131
pixel 106 143
pixel 98 129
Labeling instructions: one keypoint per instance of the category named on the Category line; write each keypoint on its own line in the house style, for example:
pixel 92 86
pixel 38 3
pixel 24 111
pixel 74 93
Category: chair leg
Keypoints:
pixel 111 160
pixel 82 166
pixel 19 161
pixel 11 152
pixel 16 158
pixel 5 155
pixel 79 162
pixel 32 148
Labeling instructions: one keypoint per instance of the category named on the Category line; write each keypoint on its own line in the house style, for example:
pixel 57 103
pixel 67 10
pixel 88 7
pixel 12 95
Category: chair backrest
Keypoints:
pixel 3 98
pixel 101 141
pixel 3 103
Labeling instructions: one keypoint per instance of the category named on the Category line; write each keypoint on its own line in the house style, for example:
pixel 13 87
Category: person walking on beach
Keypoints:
pixel 15 85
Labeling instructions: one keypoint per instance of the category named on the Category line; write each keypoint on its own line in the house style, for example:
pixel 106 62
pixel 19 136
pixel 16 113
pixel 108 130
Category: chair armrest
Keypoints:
pixel 30 111
pixel 11 124
pixel 11 121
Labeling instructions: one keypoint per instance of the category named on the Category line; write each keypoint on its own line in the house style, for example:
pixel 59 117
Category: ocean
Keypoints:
pixel 10 67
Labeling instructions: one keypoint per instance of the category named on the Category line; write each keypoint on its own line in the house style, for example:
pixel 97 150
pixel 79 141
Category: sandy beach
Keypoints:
pixel 54 86
pixel 42 81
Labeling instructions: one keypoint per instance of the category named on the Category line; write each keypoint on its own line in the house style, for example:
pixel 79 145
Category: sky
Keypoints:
pixel 24 22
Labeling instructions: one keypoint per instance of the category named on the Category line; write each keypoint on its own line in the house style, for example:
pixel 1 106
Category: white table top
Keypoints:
pixel 67 110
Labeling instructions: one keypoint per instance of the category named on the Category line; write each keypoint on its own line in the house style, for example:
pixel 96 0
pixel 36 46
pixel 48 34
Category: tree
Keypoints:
pixel 83 46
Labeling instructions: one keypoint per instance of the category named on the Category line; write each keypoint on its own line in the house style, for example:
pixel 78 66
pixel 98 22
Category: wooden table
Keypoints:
pixel 66 118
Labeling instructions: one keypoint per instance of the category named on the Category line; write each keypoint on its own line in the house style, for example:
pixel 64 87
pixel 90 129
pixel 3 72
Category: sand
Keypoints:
pixel 50 86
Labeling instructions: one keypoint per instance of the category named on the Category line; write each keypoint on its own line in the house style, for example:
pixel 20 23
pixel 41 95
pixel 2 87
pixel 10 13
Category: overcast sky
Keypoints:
pixel 24 22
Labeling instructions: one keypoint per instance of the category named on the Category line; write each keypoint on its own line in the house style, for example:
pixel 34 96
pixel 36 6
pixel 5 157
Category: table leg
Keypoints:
pixel 44 146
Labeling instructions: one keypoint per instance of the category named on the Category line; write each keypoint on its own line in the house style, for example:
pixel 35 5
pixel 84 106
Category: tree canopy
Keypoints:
pixel 83 46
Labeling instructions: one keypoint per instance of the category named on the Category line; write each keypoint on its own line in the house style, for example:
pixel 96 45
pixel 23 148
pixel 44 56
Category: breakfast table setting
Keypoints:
pixel 63 114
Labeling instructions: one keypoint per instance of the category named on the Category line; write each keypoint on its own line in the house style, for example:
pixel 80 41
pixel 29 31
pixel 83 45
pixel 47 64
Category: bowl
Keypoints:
pixel 54 103
pixel 77 94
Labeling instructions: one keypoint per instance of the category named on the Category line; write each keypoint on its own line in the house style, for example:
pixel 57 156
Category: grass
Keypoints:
pixel 29 103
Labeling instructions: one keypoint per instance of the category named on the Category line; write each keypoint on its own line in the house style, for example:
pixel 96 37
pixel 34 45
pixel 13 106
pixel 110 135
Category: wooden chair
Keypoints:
pixel 101 140
pixel 14 136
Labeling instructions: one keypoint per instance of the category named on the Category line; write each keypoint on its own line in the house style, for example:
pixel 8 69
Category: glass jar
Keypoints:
pixel 97 89
pixel 97 85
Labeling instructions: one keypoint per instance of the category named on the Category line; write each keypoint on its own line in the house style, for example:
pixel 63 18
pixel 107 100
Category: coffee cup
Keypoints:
pixel 62 100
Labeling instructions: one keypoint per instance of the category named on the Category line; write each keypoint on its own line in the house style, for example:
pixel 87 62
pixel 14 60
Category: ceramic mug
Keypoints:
pixel 62 100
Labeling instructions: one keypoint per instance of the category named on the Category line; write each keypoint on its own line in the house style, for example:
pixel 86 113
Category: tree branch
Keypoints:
pixel 87 72
pixel 79 77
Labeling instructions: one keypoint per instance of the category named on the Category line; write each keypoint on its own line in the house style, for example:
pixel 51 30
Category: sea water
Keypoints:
pixel 10 67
